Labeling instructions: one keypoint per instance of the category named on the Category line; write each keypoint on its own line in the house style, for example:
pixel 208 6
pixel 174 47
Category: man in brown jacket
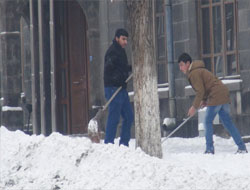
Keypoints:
pixel 210 92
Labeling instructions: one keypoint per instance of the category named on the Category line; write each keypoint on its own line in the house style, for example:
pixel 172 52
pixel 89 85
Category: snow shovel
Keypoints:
pixel 93 128
pixel 177 128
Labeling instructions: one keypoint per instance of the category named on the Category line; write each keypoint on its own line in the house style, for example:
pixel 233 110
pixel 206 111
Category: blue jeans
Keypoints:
pixel 224 115
pixel 119 106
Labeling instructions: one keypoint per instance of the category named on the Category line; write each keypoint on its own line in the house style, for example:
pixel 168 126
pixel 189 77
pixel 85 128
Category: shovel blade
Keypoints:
pixel 93 132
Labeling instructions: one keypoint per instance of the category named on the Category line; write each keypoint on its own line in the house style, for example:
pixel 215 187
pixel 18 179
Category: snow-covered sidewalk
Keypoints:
pixel 74 163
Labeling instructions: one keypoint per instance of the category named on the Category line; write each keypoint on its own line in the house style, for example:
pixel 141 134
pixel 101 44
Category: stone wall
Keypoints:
pixel 244 51
pixel 243 120
pixel 185 40
pixel 10 62
pixel 91 10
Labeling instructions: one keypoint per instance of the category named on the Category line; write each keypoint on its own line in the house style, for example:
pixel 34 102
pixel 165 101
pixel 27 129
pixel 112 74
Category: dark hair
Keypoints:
pixel 185 58
pixel 121 32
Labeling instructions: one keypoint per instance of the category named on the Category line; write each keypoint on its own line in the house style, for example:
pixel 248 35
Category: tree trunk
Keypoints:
pixel 146 101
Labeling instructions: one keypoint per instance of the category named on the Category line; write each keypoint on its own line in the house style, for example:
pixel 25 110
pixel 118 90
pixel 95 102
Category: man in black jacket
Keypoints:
pixel 116 71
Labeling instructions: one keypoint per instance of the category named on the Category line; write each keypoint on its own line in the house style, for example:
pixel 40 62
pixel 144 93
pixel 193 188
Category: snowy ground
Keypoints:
pixel 74 163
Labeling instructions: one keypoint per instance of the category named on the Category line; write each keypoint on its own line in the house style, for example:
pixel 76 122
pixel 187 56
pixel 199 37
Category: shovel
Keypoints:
pixel 177 128
pixel 93 128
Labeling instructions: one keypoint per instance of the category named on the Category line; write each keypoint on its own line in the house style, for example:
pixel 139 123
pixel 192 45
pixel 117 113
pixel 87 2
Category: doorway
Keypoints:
pixel 71 67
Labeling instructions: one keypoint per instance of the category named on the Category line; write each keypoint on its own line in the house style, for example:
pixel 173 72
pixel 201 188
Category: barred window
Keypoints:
pixel 160 35
pixel 218 32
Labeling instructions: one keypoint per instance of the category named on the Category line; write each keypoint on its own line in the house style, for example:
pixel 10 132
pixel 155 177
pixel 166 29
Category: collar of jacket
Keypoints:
pixel 116 44
pixel 197 64
pixel 190 67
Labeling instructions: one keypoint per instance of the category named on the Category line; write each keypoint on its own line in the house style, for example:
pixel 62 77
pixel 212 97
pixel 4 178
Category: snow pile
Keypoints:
pixel 61 162
pixel 169 122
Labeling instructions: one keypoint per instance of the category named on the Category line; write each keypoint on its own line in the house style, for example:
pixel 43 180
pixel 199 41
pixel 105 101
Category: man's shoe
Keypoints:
pixel 239 151
pixel 209 152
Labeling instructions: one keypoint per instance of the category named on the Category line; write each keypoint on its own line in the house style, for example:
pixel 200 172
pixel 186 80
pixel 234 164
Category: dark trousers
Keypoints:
pixel 119 106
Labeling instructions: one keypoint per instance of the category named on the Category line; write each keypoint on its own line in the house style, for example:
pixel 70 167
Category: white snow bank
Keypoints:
pixel 61 162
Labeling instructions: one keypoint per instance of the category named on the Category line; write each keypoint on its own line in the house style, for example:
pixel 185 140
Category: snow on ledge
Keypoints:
pixel 165 89
pixel 225 81
pixel 8 108
pixel 231 81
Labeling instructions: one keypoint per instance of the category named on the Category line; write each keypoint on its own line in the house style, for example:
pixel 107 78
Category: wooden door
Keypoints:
pixel 78 68
pixel 72 67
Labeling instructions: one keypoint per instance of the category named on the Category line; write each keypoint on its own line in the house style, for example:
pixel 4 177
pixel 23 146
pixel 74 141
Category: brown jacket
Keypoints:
pixel 207 86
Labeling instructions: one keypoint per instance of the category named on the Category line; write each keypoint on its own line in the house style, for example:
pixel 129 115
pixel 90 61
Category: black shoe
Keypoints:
pixel 239 151
pixel 209 152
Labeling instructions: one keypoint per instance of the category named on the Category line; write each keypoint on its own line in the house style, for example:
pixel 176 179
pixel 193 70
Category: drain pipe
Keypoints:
pixel 170 55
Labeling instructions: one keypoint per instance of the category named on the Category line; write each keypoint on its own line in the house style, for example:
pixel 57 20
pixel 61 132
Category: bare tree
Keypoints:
pixel 146 101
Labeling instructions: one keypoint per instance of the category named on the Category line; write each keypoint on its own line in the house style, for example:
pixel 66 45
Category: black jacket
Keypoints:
pixel 116 68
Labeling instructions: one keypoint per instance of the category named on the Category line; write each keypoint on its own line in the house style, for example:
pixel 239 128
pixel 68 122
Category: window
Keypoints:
pixel 160 30
pixel 160 41
pixel 219 36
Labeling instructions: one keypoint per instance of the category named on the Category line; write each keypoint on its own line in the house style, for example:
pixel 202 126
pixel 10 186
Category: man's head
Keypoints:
pixel 121 37
pixel 184 62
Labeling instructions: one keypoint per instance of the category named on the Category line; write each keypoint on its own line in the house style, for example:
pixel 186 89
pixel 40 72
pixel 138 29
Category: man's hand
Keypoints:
pixel 191 111
pixel 203 104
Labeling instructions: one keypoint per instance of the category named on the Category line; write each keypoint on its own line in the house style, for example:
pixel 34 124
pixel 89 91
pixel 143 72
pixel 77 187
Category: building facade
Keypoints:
pixel 52 52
